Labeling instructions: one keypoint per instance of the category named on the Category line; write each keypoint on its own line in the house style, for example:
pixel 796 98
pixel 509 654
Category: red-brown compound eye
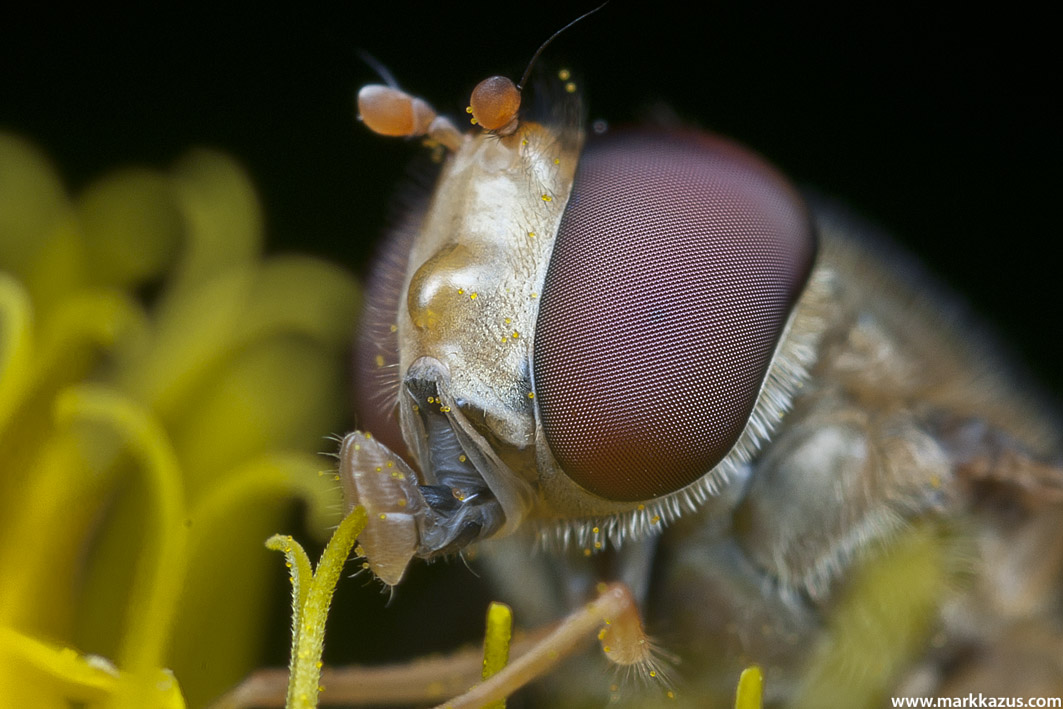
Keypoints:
pixel 676 266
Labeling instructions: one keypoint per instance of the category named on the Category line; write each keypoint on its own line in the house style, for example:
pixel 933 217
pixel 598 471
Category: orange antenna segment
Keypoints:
pixel 390 111
pixel 494 104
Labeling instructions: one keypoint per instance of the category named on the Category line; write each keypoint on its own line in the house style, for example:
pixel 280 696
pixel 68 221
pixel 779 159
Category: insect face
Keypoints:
pixel 649 344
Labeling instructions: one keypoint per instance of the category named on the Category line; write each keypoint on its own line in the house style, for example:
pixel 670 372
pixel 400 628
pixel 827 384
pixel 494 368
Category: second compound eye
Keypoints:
pixel 676 266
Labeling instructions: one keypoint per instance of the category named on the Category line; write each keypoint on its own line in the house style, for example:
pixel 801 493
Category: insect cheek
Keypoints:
pixel 675 269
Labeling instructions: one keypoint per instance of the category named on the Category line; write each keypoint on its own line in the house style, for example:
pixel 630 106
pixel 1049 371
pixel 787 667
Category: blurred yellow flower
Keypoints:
pixel 162 390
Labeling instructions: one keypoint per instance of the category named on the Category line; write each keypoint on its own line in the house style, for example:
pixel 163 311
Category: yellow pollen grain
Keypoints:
pixel 531 234
pixel 359 550
pixel 390 464
pixel 365 564
pixel 379 469
pixel 597 545
pixel 641 507
pixel 383 515
pixel 379 359
pixel 524 142
pixel 531 394
pixel 472 121
pixel 431 399
pixel 472 296
pixel 595 530
pixel 368 435
pixel 445 409
pixel 670 694
pixel 547 198
pixel 394 328
pixel 462 458
pixel 508 321
pixel 601 634
pixel 570 87
pixel 468 109
pixel 557 161
pixel 402 503
pixel 515 335
pixel 335 477
pixel 358 446
pixel 656 519
pixel 461 291
pixel 564 75
pixel 534 295
pixel 586 552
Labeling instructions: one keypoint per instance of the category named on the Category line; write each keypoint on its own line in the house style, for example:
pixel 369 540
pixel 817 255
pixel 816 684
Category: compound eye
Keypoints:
pixel 676 266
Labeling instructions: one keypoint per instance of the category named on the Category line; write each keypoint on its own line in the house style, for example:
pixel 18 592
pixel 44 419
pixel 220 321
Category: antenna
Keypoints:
pixel 495 100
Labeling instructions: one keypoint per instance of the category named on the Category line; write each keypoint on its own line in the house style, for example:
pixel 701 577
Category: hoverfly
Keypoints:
pixel 649 354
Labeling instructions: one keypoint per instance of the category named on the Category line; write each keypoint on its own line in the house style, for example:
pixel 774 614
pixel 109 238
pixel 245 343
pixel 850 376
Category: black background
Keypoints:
pixel 933 123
